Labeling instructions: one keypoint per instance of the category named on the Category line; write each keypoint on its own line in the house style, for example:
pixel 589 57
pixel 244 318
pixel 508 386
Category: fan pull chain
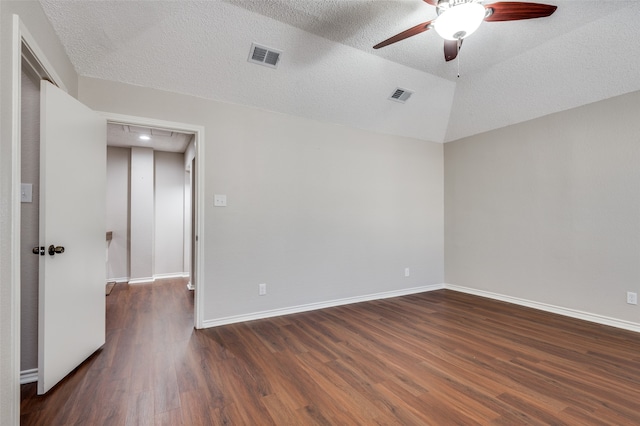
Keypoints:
pixel 458 56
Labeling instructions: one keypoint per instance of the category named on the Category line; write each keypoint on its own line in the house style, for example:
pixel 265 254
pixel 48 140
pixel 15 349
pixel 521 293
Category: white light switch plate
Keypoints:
pixel 26 193
pixel 219 200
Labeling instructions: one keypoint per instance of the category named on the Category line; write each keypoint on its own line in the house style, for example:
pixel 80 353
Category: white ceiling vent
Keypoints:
pixel 264 56
pixel 401 95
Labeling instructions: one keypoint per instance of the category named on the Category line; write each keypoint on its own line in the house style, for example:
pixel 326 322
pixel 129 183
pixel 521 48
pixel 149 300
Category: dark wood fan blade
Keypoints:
pixel 420 28
pixel 513 11
pixel 451 49
pixel 432 2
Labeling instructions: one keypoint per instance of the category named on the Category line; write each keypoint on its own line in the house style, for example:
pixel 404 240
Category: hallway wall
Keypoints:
pixel 118 180
pixel 169 214
pixel 165 245
pixel 29 223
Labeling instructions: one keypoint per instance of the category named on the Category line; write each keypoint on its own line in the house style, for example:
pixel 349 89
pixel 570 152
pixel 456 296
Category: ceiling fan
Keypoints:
pixel 458 19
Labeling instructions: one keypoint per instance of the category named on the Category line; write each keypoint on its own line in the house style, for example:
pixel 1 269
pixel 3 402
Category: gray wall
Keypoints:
pixel 169 214
pixel 34 19
pixel 317 211
pixel 549 210
pixel 141 216
pixel 118 181
pixel 165 201
pixel 29 223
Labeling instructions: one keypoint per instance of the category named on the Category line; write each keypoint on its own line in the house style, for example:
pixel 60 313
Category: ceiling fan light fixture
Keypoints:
pixel 459 21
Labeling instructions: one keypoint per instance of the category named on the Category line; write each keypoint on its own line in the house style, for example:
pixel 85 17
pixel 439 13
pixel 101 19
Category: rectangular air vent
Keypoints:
pixel 264 56
pixel 400 95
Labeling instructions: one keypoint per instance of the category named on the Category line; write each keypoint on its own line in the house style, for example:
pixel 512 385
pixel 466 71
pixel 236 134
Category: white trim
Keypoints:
pixel 118 280
pixel 173 275
pixel 143 280
pixel 121 280
pixel 573 313
pixel 199 139
pixel 150 122
pixel 318 305
pixel 197 275
pixel 39 56
pixel 13 416
pixel 28 376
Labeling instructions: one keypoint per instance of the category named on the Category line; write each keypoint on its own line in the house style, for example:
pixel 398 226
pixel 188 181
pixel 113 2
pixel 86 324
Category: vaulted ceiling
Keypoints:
pixel 509 71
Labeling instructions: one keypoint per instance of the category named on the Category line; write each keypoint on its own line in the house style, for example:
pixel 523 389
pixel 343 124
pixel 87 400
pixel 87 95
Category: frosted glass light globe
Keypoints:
pixel 459 21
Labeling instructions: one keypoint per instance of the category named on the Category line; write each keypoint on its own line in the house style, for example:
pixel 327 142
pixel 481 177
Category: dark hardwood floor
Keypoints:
pixel 438 358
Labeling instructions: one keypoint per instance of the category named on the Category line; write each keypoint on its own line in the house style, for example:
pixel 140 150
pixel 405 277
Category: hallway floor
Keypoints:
pixel 133 376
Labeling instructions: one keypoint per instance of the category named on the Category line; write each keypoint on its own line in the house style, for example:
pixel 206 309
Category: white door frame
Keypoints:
pixel 37 59
pixel 198 180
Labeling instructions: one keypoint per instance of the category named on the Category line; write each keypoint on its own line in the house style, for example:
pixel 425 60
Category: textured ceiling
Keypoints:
pixel 510 71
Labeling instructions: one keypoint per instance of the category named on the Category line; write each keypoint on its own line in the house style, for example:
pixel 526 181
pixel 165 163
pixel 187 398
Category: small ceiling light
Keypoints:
pixel 459 21
pixel 144 137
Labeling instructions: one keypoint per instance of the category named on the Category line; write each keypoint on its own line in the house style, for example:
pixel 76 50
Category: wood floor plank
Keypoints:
pixel 195 409
pixel 165 384
pixel 280 412
pixel 169 418
pixel 436 358
pixel 141 409
pixel 360 410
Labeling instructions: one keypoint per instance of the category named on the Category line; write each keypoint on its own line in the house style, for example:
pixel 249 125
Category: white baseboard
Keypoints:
pixel 143 280
pixel 118 280
pixel 171 275
pixel 148 280
pixel 319 305
pixel 28 376
pixel 573 313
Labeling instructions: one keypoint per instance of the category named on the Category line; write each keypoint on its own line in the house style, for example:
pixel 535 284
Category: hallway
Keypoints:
pixel 133 376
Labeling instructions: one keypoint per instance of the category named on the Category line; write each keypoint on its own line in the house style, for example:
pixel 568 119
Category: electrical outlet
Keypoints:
pixel 632 298
pixel 262 289
pixel 407 272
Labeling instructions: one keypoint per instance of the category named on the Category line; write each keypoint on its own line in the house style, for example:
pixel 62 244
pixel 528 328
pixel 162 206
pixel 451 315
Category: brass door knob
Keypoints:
pixel 38 250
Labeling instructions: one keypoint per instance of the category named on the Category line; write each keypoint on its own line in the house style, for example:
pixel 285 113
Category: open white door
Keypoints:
pixel 71 323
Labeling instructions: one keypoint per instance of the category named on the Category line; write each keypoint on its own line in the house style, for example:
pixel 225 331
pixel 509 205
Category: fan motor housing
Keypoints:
pixel 448 4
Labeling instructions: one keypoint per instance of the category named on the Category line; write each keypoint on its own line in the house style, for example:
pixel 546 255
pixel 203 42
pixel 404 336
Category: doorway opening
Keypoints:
pixel 31 66
pixel 150 204
pixel 186 140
